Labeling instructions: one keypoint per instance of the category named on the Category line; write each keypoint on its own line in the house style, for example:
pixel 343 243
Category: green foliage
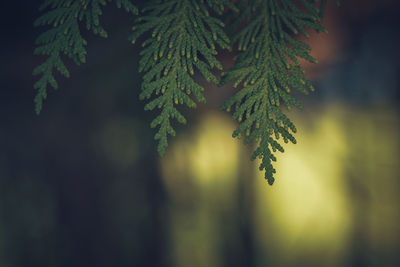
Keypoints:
pixel 65 37
pixel 184 36
pixel 268 68
pixel 181 37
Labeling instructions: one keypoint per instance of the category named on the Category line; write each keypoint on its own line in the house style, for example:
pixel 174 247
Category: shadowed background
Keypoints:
pixel 82 184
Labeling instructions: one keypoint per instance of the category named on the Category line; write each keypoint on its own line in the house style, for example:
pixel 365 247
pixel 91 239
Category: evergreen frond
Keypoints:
pixel 268 68
pixel 184 37
pixel 181 37
pixel 65 38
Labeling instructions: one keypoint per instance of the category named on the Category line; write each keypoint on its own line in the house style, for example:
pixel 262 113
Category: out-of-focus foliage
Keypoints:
pixel 199 173
pixel 337 195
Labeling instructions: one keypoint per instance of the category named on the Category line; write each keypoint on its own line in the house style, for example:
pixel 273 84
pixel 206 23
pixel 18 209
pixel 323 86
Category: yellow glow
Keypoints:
pixel 214 153
pixel 337 185
pixel 375 172
pixel 209 156
pixel 307 205
pixel 200 171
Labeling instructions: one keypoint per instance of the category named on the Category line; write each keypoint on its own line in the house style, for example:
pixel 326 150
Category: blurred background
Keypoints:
pixel 82 184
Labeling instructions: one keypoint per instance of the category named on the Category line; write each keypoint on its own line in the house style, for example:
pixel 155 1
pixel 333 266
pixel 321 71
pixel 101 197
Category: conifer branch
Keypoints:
pixel 65 37
pixel 268 68
pixel 181 37
pixel 184 36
